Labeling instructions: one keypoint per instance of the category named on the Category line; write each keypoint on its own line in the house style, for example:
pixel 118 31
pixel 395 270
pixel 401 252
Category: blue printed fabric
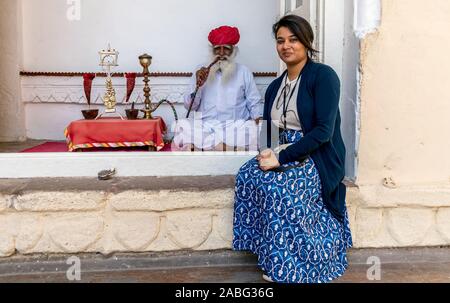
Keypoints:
pixel 280 217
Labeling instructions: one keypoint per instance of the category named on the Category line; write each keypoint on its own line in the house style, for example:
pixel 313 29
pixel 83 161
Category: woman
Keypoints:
pixel 290 201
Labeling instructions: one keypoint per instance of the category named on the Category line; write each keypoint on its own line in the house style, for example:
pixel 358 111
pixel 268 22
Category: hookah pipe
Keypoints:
pixel 198 87
pixel 174 111
pixel 170 104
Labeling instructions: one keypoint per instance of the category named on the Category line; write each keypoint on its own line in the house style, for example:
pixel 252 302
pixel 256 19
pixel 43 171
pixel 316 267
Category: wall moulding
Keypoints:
pixel 154 74
pixel 67 88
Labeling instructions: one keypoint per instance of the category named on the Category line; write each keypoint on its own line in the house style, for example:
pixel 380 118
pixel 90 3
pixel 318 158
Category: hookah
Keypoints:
pixel 146 60
pixel 198 87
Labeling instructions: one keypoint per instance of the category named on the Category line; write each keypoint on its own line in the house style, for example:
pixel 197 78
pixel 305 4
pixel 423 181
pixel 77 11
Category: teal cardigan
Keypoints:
pixel 318 109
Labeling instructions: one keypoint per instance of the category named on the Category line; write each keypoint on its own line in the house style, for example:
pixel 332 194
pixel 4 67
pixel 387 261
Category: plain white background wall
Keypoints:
pixel 174 32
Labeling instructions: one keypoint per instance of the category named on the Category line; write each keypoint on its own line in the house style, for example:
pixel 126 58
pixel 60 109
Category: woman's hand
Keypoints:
pixel 267 160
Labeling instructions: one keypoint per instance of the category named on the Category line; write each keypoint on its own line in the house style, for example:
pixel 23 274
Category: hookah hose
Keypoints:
pixel 198 87
pixel 174 113
pixel 171 105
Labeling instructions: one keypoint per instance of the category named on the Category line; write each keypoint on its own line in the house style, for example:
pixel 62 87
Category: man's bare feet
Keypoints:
pixel 195 148
pixel 224 147
pixel 219 147
pixel 228 148
pixel 188 147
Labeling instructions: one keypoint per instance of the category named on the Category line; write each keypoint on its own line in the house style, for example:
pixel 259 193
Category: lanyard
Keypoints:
pixel 286 104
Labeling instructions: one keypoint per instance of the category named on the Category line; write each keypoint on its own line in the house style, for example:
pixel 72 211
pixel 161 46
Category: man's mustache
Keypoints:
pixel 223 58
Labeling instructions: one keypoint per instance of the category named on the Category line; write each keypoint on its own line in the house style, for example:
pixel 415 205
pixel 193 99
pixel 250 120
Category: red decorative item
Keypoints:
pixel 87 83
pixel 224 35
pixel 131 81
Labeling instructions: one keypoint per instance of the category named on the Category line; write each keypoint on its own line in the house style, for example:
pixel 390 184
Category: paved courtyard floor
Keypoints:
pixel 416 265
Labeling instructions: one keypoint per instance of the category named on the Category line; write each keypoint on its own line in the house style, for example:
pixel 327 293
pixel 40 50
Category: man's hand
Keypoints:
pixel 267 160
pixel 257 120
pixel 202 75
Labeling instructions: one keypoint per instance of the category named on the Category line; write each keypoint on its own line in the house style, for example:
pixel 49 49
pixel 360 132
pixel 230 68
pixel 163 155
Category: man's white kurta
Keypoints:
pixel 223 112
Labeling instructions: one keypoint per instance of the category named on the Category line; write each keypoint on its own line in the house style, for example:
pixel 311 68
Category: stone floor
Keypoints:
pixel 416 265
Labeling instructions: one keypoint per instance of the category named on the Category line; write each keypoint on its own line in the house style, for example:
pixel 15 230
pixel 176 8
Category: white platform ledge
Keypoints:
pixel 127 164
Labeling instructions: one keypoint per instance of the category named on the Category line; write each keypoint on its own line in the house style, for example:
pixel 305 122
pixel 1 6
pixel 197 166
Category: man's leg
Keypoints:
pixel 183 136
pixel 230 134
pixel 242 135
pixel 247 136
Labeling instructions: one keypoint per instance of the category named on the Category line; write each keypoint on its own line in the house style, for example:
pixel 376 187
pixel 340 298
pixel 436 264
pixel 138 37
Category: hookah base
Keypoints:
pixel 107 113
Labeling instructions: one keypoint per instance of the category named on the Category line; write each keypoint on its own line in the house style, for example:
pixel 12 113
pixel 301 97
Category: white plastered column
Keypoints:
pixel 12 125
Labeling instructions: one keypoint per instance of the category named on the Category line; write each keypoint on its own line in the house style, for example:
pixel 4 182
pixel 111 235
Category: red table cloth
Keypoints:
pixel 115 133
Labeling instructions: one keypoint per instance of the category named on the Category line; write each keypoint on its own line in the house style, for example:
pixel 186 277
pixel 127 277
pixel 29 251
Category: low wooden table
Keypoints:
pixel 115 133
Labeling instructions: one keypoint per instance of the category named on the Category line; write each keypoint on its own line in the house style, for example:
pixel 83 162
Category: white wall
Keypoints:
pixel 174 32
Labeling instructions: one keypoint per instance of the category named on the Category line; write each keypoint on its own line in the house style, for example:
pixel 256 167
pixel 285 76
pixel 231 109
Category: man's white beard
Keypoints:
pixel 226 67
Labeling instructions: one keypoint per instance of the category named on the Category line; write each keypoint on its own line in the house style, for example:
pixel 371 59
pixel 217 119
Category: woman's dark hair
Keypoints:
pixel 301 28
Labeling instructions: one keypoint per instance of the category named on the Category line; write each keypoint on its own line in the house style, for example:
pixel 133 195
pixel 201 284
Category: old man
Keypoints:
pixel 224 100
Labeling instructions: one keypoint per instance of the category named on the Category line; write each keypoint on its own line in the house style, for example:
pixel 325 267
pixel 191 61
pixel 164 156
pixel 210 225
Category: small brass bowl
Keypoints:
pixel 132 114
pixel 90 114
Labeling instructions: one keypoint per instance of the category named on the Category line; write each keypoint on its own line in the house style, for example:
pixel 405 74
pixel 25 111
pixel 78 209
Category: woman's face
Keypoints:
pixel 289 47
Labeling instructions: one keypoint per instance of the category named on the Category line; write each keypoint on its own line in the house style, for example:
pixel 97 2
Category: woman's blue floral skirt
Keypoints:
pixel 281 217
